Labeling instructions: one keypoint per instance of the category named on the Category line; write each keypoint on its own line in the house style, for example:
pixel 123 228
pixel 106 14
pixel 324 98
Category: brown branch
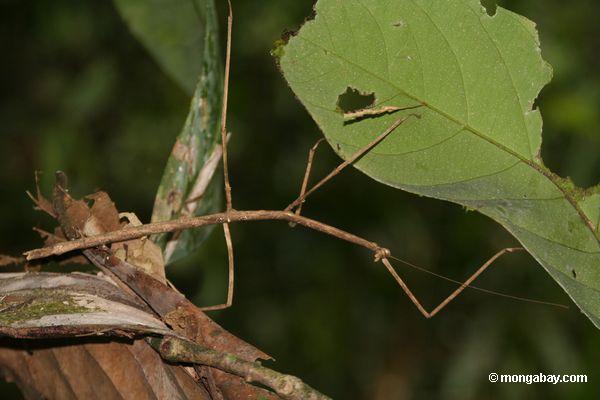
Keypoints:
pixel 196 222
pixel 287 386
pixel 173 308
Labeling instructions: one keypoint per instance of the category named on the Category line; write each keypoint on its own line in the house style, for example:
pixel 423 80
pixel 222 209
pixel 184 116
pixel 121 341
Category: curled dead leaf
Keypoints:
pixel 142 253
pixel 49 305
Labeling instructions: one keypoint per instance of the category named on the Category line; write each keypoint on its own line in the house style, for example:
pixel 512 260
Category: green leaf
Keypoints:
pixel 173 31
pixel 472 79
pixel 192 182
pixel 183 36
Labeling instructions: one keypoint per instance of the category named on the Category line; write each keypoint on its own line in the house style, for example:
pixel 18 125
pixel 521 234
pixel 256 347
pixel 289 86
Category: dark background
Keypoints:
pixel 78 93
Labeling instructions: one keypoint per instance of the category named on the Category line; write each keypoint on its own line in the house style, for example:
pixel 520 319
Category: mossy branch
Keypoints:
pixel 286 386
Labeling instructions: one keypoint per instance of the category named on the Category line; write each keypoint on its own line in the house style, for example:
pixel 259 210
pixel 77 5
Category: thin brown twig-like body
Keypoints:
pixel 452 295
pixel 370 112
pixel 286 386
pixel 228 199
pixel 462 287
pixel 311 156
pixel 405 287
pixel 350 160
pixel 480 289
pixel 196 222
pixel 231 272
pixel 381 254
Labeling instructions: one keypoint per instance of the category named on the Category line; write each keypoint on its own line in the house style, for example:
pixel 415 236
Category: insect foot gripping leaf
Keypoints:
pixel 474 79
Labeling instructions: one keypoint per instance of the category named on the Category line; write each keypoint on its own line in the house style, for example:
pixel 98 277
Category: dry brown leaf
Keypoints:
pixel 104 216
pixel 41 203
pixel 187 319
pixel 92 369
pixel 142 253
pixel 50 305
pixel 71 371
pixel 78 213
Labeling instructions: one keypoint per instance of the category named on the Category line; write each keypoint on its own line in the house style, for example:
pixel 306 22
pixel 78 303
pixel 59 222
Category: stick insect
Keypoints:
pixel 381 254
pixel 291 214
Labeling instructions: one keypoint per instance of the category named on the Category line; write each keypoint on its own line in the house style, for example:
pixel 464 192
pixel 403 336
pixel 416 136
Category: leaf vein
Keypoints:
pixel 431 146
pixel 456 59
pixel 510 76
pixel 385 46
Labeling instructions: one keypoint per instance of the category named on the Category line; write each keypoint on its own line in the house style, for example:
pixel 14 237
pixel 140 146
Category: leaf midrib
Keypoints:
pixel 547 174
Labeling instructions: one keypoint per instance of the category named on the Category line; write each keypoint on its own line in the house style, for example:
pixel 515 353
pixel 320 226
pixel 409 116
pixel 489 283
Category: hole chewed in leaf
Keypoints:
pixel 353 100
pixel 490 7
pixel 277 50
pixel 356 106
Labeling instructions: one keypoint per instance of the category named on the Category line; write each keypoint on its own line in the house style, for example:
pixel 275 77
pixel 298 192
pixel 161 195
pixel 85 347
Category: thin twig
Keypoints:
pixel 224 109
pixel 136 232
pixel 351 160
pixel 286 386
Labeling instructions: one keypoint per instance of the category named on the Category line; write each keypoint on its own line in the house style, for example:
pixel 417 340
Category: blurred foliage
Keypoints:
pixel 80 94
pixel 175 34
pixel 196 150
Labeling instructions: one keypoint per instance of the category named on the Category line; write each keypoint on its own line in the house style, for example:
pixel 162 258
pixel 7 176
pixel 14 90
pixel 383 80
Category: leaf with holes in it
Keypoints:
pixel 183 37
pixel 472 79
